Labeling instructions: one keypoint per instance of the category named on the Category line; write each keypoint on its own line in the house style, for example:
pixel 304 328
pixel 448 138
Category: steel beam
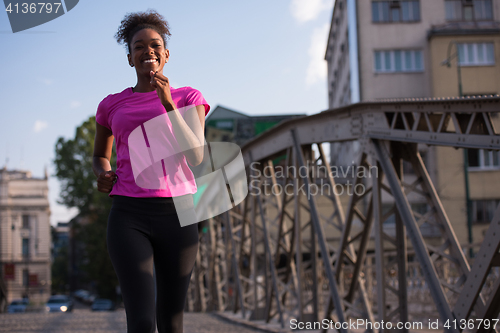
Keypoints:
pixel 404 209
pixel 270 259
pixel 221 260
pixel 234 262
pixel 476 278
pixel 346 248
pixel 427 122
pixel 401 244
pixel 339 308
pixel 379 247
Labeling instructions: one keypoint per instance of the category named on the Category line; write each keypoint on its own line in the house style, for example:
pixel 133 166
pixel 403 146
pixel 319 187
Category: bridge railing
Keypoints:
pixel 297 248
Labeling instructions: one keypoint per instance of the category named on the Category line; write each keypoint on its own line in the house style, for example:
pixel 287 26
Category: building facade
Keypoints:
pixel 25 240
pixel 379 49
pixel 61 232
pixel 399 48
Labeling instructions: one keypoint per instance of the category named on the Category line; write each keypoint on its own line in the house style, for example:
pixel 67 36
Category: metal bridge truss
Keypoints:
pixel 297 254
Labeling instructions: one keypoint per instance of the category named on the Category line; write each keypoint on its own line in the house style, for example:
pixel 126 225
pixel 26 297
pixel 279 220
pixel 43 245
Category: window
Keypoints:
pixel 483 10
pixel 476 54
pixel 26 277
pixel 483 210
pixel 395 11
pixel 224 124
pixel 26 221
pixel 26 247
pixel 346 97
pixel 483 159
pixel 468 10
pixel 398 61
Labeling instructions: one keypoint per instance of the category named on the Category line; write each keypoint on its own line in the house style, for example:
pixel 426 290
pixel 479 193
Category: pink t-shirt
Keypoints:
pixel 127 114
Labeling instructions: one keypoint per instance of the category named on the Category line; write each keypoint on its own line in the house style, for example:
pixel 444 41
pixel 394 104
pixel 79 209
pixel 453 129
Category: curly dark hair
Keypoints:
pixel 134 22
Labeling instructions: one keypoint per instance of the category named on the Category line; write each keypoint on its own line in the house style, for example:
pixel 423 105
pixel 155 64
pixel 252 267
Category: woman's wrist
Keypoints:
pixel 169 106
pixel 100 165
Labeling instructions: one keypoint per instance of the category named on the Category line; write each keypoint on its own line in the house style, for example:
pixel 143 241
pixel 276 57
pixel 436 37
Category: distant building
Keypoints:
pixel 60 257
pixel 380 49
pixel 76 250
pixel 61 238
pixel 25 239
pixel 224 124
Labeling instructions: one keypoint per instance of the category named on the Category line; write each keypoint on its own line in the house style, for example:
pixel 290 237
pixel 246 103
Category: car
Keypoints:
pixel 103 304
pixel 18 305
pixel 89 298
pixel 80 294
pixel 59 303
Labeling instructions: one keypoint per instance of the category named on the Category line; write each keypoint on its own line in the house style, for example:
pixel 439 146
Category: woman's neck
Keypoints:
pixel 143 84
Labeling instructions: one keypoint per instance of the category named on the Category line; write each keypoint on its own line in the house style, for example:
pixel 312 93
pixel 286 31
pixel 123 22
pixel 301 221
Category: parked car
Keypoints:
pixel 84 296
pixel 89 298
pixel 59 303
pixel 103 304
pixel 18 305
pixel 80 294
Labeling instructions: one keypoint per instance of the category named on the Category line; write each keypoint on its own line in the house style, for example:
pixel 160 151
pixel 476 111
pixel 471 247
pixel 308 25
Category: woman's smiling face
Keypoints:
pixel 147 52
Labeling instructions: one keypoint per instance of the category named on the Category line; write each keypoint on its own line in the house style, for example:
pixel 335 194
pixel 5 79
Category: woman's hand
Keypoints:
pixel 162 86
pixel 105 181
pixel 189 131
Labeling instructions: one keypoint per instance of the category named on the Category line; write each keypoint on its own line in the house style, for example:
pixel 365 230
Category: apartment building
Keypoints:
pixel 379 49
pixel 25 240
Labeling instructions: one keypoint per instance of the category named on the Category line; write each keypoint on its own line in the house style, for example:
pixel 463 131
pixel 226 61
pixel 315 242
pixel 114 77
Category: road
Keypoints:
pixel 83 320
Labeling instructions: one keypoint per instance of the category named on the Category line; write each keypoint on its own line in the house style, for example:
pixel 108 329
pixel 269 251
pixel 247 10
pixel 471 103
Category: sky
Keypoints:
pixel 257 57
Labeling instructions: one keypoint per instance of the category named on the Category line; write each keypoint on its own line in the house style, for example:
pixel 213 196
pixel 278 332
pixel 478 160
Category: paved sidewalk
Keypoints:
pixel 86 321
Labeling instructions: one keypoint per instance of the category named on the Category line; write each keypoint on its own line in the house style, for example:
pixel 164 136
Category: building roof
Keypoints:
pixel 465 28
pixel 410 100
pixel 432 99
pixel 221 112
pixel 19 174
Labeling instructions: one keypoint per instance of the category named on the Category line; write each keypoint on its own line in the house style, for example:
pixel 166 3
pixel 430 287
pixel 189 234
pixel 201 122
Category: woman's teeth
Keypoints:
pixel 149 61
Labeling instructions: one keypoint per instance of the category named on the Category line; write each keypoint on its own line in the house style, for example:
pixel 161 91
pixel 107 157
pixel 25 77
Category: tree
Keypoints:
pixel 73 164
pixel 74 170
pixel 60 277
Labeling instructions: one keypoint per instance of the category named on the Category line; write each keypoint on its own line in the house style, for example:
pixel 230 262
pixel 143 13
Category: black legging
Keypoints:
pixel 143 231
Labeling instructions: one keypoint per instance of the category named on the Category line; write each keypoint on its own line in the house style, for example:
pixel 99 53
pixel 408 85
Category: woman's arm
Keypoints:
pixel 189 131
pixel 103 147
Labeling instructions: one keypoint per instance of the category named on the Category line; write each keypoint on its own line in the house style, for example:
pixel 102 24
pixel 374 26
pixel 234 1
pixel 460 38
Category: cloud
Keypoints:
pixel 316 71
pixel 45 81
pixel 75 104
pixel 174 84
pixel 308 10
pixel 40 125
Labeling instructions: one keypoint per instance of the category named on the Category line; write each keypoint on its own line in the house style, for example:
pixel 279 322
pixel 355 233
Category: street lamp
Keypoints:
pixel 447 62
